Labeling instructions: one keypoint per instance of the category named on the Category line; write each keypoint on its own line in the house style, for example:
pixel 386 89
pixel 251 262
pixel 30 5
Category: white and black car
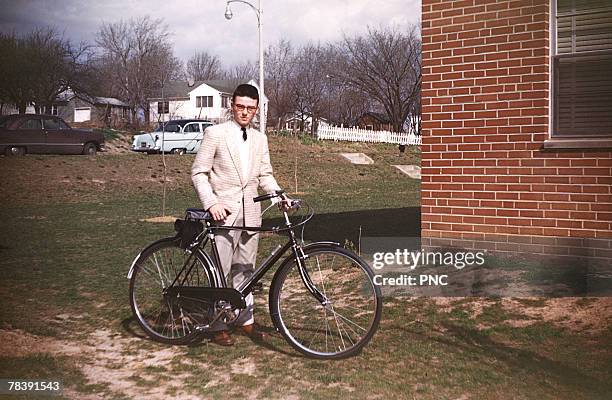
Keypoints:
pixel 178 136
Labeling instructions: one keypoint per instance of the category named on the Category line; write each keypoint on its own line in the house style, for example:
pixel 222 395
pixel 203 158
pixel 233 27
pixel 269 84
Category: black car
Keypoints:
pixel 45 134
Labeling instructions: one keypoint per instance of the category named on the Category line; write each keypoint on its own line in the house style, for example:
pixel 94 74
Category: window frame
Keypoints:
pixel 163 107
pixel 204 101
pixel 575 141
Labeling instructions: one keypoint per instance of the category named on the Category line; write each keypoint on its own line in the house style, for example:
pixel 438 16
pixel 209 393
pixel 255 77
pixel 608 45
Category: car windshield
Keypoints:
pixel 170 127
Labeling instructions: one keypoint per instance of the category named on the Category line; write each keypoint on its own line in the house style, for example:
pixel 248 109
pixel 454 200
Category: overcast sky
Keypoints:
pixel 200 24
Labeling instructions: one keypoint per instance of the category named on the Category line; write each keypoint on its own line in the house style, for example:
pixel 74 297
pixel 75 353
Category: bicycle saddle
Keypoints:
pixel 198 214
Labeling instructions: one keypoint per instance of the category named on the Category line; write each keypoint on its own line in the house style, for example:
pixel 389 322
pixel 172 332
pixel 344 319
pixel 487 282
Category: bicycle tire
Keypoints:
pixel 165 319
pixel 343 327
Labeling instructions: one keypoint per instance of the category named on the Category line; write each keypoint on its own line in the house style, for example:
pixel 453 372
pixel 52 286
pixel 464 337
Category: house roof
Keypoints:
pixel 110 100
pixel 382 118
pixel 175 90
pixel 225 86
pixel 181 90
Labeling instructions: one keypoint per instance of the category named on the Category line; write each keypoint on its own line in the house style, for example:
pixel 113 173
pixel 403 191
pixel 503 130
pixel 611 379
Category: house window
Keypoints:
pixel 49 110
pixel 204 101
pixel 582 65
pixel 225 102
pixel 163 107
pixel 82 114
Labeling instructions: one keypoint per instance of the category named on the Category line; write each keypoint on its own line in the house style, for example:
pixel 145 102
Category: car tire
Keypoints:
pixel 15 151
pixel 179 152
pixel 90 149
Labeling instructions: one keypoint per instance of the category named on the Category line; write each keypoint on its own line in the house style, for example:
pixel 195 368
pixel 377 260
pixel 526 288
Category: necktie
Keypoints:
pixel 244 135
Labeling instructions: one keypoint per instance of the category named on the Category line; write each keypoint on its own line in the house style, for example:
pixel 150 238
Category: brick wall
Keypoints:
pixel 486 181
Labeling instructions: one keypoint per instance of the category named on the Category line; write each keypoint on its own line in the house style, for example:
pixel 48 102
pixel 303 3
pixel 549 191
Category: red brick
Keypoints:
pixel 513 230
pixel 531 214
pixel 596 189
pixel 556 232
pixel 531 230
pixel 569 224
pixel 596 225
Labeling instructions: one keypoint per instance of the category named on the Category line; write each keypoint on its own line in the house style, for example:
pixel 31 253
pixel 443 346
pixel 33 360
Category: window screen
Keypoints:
pixel 582 68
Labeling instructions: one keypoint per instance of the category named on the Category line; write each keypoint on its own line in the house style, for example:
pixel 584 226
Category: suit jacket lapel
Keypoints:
pixel 232 147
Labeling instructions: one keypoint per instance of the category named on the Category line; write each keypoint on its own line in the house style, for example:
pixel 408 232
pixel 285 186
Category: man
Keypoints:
pixel 232 162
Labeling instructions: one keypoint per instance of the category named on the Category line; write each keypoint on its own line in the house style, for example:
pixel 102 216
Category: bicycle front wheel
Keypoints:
pixel 342 324
pixel 165 318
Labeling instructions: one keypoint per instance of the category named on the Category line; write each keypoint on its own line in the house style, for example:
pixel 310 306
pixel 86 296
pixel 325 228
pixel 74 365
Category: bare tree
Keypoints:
pixel 203 66
pixel 279 68
pixel 386 65
pixel 345 103
pixel 308 84
pixel 139 57
pixel 244 71
pixel 38 67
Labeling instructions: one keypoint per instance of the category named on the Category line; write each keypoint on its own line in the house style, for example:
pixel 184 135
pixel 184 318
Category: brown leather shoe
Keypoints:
pixel 252 332
pixel 223 338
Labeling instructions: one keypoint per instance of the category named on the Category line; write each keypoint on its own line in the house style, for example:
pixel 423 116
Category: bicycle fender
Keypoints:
pixel 131 271
pixel 323 243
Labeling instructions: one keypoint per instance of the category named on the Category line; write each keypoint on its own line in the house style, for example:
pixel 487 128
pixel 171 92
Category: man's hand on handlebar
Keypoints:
pixel 286 203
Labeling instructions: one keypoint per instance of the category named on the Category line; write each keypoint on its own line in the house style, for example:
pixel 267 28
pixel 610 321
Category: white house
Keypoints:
pixel 295 121
pixel 210 100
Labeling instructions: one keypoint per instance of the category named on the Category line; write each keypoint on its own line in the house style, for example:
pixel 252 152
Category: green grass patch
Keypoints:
pixel 73 225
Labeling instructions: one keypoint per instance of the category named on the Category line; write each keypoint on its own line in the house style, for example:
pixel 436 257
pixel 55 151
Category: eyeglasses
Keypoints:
pixel 241 108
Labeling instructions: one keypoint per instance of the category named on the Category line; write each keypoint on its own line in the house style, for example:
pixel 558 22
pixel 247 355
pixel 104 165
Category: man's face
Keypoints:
pixel 244 109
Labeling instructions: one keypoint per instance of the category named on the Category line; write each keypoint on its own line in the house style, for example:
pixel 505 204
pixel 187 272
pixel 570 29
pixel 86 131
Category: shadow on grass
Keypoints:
pixel 519 361
pixel 342 226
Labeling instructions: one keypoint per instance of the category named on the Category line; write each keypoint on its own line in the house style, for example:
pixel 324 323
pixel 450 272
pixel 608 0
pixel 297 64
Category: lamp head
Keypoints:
pixel 228 12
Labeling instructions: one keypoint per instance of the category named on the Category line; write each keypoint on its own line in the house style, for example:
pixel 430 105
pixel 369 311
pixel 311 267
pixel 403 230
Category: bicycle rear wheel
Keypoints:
pixel 165 318
pixel 339 328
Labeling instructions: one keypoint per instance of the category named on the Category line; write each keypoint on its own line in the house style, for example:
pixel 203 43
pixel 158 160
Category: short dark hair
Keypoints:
pixel 246 90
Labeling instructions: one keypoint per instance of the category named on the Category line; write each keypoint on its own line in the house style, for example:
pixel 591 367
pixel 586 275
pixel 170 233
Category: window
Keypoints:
pixel 169 127
pixel 31 124
pixel 163 107
pixel 582 69
pixel 51 124
pixel 193 127
pixel 204 101
pixel 82 114
pixel 49 110
pixel 225 101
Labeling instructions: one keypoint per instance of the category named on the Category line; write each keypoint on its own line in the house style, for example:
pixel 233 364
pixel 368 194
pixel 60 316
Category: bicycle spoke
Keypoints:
pixel 163 317
pixel 346 322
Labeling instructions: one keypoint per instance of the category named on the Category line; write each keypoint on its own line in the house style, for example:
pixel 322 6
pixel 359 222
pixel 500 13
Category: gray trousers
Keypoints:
pixel 237 253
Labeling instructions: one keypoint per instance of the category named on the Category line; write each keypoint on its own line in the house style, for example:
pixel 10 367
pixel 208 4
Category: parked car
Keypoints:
pixel 40 134
pixel 178 136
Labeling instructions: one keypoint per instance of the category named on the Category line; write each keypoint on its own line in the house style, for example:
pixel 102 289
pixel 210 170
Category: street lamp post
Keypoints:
pixel 259 13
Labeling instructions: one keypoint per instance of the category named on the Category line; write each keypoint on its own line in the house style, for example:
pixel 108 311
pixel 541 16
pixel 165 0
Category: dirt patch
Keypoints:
pixel 567 312
pixel 17 343
pixel 164 219
pixel 108 359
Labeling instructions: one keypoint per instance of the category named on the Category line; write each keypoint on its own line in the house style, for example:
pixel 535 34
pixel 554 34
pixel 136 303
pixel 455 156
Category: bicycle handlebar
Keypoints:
pixel 268 196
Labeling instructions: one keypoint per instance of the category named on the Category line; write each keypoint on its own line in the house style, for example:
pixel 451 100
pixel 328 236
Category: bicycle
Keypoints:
pixel 322 297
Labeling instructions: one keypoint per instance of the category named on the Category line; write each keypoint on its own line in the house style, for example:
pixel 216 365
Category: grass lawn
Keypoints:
pixel 72 225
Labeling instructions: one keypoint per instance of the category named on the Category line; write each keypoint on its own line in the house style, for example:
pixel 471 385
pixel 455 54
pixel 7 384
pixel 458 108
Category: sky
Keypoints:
pixel 200 25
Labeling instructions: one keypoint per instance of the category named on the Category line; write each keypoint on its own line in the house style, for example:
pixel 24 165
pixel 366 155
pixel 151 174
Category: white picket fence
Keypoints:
pixel 365 135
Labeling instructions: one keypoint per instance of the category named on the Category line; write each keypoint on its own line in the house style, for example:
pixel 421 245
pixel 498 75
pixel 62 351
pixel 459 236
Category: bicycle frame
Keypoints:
pixel 247 286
